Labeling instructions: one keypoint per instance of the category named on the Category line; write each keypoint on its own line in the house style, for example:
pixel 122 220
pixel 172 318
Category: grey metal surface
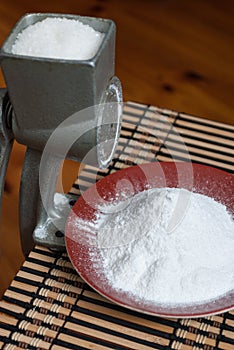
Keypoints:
pixel 28 199
pixel 44 94
pixel 46 91
pixel 42 223
pixel 6 141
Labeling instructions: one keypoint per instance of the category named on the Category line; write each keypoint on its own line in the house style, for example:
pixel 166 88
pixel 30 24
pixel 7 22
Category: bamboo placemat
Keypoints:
pixel 48 306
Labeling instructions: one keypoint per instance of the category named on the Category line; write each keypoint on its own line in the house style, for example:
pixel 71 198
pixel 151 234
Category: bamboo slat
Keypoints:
pixel 48 306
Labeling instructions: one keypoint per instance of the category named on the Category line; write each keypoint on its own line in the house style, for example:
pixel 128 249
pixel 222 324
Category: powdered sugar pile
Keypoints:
pixel 168 246
pixel 58 38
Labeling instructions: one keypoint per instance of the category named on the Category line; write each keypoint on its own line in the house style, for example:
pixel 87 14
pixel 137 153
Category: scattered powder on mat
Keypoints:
pixel 168 246
pixel 58 38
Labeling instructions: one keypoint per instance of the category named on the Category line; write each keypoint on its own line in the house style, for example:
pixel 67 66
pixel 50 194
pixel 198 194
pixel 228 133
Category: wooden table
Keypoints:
pixel 175 54
pixel 48 306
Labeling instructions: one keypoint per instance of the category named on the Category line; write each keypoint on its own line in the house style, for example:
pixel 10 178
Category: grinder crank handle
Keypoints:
pixel 6 138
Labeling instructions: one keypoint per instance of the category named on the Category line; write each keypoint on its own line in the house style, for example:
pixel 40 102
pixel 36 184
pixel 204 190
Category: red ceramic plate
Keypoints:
pixel 86 257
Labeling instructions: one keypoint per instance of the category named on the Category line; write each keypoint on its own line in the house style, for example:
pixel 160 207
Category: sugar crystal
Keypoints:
pixel 59 38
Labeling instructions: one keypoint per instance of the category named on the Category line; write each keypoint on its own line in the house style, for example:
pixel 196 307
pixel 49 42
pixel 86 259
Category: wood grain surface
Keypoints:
pixel 176 54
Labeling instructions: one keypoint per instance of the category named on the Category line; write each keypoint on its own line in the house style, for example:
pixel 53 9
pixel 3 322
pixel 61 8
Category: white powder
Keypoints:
pixel 58 38
pixel 167 246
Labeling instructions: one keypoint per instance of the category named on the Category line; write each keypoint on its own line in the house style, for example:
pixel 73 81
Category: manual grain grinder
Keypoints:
pixel 78 101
